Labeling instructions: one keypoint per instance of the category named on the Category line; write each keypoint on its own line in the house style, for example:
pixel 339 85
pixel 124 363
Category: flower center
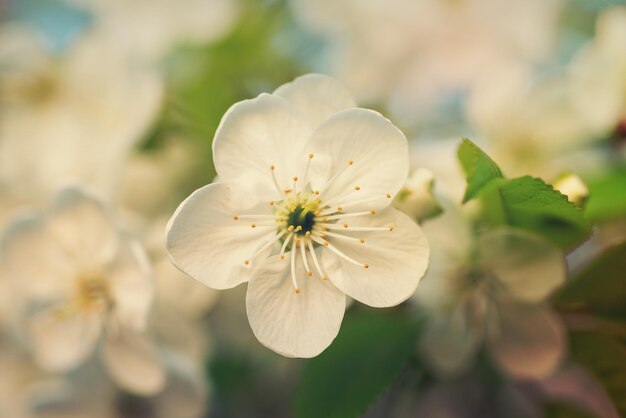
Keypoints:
pixel 302 218
pixel 305 220
pixel 91 293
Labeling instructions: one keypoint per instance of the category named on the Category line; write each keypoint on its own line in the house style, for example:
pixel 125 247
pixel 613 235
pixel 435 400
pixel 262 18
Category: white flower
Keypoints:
pixel 411 53
pixel 302 213
pixel 150 28
pixel 491 292
pixel 82 281
pixel 599 75
pixel 416 198
pixel 74 115
pixel 89 394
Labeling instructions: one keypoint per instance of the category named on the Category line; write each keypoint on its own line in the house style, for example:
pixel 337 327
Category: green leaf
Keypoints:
pixel 600 287
pixel 362 362
pixel 605 358
pixel 607 195
pixel 529 203
pixel 479 169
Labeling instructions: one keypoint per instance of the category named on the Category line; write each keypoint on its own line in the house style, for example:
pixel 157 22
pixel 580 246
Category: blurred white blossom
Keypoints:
pixel 73 115
pixel 83 285
pixel 302 214
pixel 412 53
pixel 491 291
pixel 148 29
pixel 599 75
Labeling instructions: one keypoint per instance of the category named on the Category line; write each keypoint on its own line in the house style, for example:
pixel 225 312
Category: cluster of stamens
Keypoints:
pixel 91 293
pixel 304 220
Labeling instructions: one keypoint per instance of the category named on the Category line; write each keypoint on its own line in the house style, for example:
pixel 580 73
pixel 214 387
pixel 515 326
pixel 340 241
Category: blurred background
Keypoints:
pixel 124 96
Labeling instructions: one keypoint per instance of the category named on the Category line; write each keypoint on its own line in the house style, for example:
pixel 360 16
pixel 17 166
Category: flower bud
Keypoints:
pixel 573 187
pixel 416 198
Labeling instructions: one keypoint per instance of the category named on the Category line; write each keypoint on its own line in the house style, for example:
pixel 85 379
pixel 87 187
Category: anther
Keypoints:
pixel 317 192
pixel 362 241
pixel 272 167
pixel 308 234
pixel 357 187
pixel 323 228
pixel 391 228
pixel 298 240
pixel 325 243
pixel 323 235
pixel 253 225
pixel 246 262
pixel 366 265
pixel 350 162
pixel 297 290
pixel 295 179
pixel 345 225
pixel 339 209
pixel 309 273
pixel 324 277
pixel 271 202
pixel 291 228
pixel 298 228
pixel 282 256
pixel 388 195
pixel 311 155
pixel 235 217
pixel 373 212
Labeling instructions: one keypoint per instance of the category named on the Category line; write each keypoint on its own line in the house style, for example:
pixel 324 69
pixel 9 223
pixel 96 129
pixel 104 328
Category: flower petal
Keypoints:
pixel 132 285
pixel 34 261
pixel 61 342
pixel 450 342
pixel 527 341
pixel 316 97
pixel 83 227
pixel 185 395
pixel 293 324
pixel 256 134
pixel 396 259
pixel 133 362
pixel 205 242
pixel 529 266
pixel 366 150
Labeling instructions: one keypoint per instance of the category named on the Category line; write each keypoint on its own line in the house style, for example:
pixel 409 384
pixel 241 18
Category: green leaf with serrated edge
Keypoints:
pixel 605 358
pixel 529 203
pixel 479 169
pixel 600 288
pixel 607 195
pixel 369 353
